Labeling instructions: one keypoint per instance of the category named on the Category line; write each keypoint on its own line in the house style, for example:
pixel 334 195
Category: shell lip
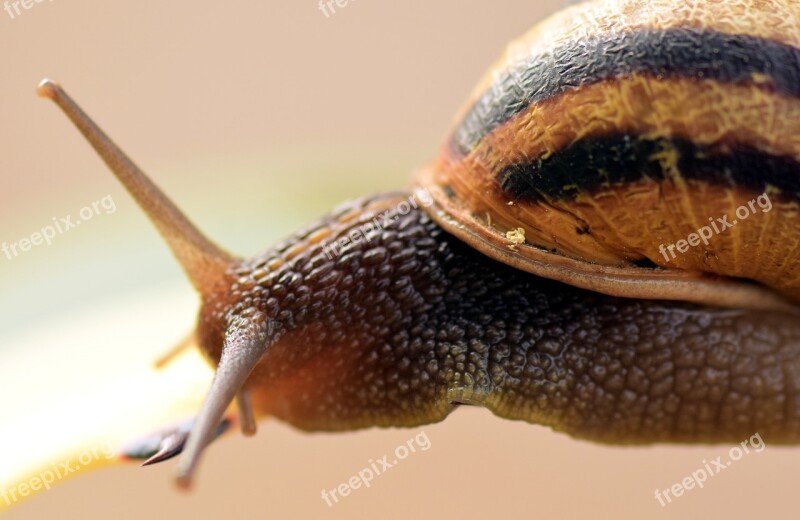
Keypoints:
pixel 619 281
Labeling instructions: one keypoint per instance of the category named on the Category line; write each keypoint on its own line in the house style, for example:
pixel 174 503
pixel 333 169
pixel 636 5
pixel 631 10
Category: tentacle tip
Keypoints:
pixel 48 88
pixel 161 456
pixel 183 482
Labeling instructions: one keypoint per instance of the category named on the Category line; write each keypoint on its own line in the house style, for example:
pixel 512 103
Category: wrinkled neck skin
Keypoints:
pixel 404 323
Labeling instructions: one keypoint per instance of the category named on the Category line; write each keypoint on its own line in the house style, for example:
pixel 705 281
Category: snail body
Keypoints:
pixel 526 275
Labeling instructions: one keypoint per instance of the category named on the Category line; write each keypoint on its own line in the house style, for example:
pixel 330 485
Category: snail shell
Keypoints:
pixel 613 130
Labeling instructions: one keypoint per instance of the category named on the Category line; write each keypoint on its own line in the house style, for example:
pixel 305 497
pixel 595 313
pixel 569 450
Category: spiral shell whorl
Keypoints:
pixel 614 130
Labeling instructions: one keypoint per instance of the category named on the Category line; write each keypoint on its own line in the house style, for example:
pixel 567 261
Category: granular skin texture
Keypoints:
pixel 404 322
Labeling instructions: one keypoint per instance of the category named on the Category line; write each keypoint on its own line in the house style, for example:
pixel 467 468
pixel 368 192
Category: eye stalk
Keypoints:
pixel 207 266
pixel 246 340
pixel 204 262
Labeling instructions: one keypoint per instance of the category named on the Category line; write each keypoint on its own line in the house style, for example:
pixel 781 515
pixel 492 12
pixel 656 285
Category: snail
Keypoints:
pixel 524 269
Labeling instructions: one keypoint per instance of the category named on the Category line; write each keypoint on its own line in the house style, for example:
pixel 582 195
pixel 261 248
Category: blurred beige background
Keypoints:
pixel 256 118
